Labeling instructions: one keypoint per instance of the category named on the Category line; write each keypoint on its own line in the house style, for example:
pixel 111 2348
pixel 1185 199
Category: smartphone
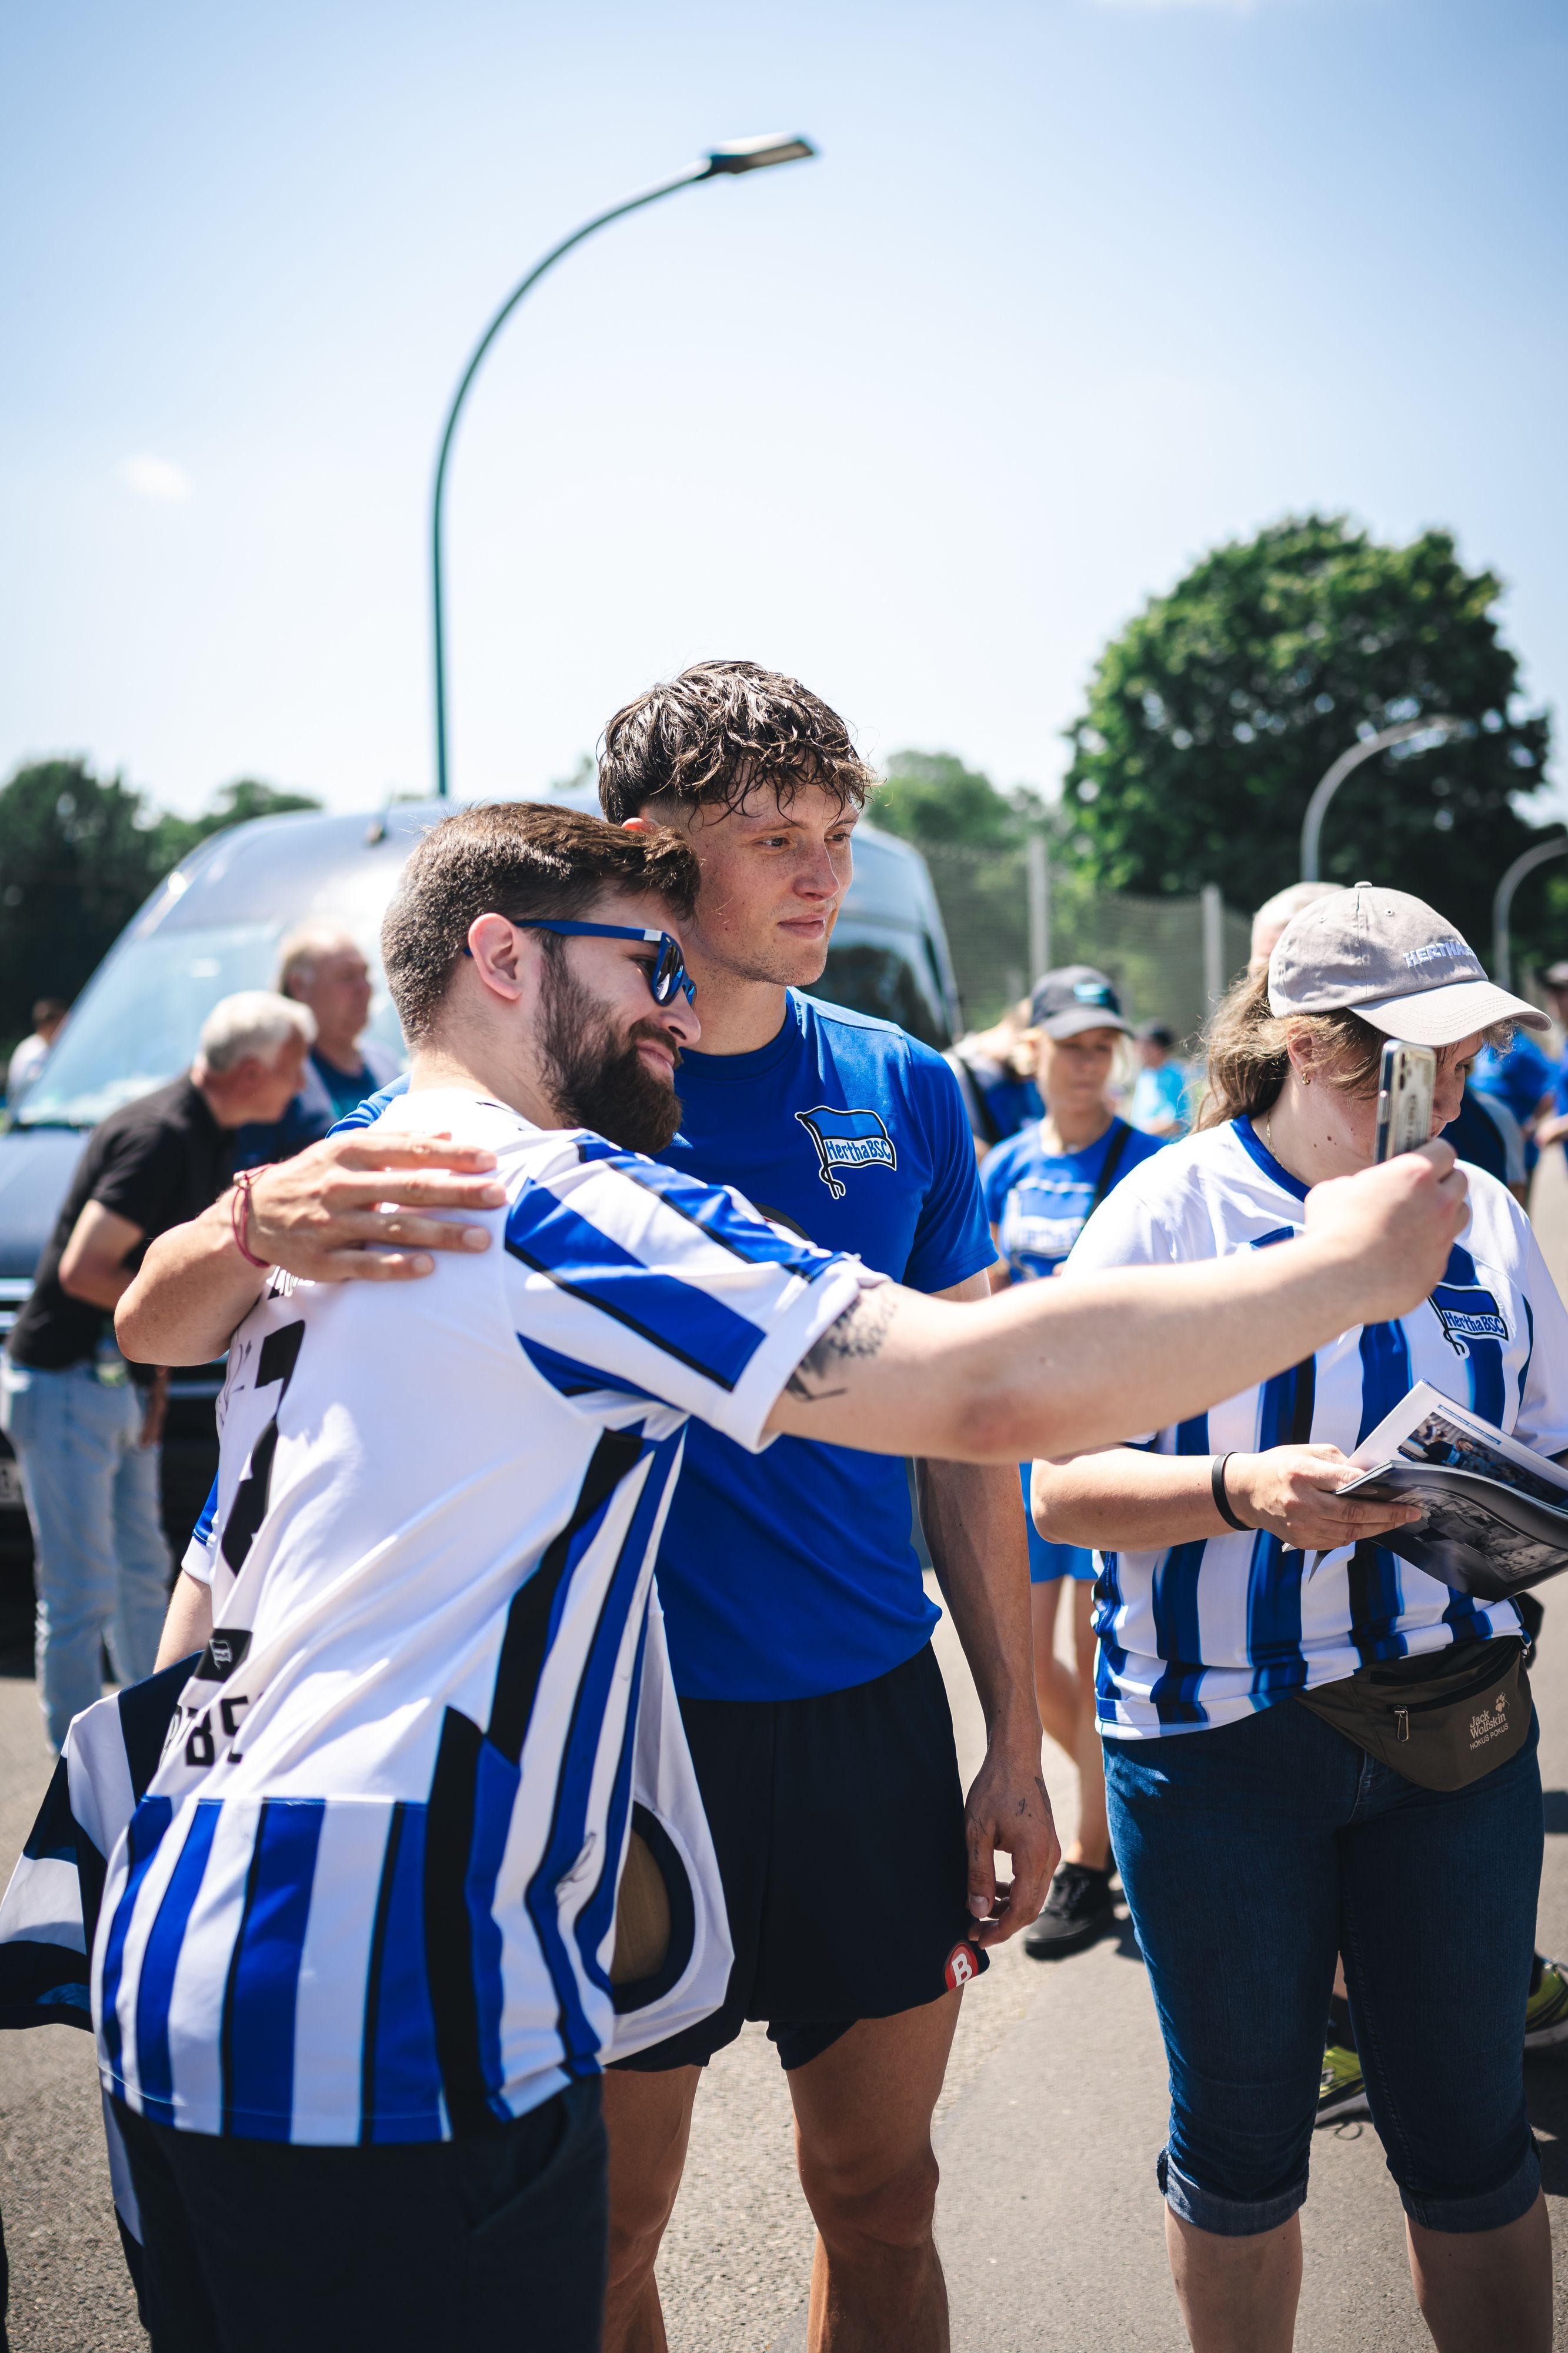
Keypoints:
pixel 1406 1082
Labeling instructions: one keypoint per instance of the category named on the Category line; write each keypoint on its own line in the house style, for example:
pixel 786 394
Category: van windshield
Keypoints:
pixel 137 1024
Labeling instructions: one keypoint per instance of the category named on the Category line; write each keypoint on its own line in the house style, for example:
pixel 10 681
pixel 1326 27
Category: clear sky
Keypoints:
pixel 1076 287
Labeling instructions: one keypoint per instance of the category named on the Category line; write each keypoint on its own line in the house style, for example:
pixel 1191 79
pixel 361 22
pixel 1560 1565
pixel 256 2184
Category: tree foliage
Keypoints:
pixel 1216 711
pixel 234 804
pixel 79 854
pixel 931 796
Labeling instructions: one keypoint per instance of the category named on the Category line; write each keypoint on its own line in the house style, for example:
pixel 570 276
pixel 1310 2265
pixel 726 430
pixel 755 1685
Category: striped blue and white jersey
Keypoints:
pixel 368 1896
pixel 1203 1632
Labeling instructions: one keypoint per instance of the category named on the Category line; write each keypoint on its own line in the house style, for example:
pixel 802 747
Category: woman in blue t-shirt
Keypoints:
pixel 1039 1187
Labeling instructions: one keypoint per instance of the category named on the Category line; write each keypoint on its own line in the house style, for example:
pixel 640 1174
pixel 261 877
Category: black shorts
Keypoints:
pixel 838 1824
pixel 423 2247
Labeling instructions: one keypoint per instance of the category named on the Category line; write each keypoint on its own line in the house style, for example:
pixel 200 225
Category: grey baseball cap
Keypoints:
pixel 1073 999
pixel 1395 962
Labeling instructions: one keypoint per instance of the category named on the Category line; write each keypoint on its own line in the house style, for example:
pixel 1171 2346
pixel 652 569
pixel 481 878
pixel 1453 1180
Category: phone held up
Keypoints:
pixel 1406 1080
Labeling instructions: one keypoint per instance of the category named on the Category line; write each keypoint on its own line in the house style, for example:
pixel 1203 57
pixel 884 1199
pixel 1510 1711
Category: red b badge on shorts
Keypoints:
pixel 963 1963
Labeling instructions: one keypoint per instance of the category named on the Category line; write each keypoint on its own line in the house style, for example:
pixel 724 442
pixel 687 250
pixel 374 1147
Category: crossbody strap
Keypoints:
pixel 1109 1165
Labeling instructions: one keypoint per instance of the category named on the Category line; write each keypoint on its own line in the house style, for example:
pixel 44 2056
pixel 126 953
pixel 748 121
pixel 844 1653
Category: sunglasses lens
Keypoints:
pixel 668 973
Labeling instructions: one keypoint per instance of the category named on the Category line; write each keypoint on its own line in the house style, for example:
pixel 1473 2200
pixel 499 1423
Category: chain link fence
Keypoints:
pixel 1010 916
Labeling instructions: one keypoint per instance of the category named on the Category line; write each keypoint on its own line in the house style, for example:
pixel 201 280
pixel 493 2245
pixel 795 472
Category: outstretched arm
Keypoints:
pixel 1057 1368
pixel 347 1209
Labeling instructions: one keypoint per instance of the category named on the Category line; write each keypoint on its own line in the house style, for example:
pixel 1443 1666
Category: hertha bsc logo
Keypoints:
pixel 846 1139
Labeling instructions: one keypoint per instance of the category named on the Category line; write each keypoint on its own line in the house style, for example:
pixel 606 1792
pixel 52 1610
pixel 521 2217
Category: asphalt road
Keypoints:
pixel 1048 2221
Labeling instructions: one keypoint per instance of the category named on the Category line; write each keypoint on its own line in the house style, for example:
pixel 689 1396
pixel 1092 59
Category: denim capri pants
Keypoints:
pixel 1250 1856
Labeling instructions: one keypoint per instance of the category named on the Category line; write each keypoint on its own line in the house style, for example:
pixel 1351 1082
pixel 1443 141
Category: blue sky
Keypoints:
pixel 1076 289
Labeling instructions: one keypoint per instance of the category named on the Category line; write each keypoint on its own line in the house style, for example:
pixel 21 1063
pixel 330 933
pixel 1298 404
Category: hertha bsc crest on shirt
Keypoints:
pixel 1468 1312
pixel 846 1139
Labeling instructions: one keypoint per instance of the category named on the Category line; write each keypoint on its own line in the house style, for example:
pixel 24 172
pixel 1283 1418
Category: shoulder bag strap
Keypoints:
pixel 1109 1165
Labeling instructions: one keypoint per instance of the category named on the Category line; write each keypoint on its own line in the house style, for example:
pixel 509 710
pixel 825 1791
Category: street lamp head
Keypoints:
pixel 756 154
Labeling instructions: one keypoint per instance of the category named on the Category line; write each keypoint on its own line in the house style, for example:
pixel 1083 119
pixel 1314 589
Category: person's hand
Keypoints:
pixel 1550 1130
pixel 1008 1809
pixel 359 1206
pixel 1395 1225
pixel 1291 1491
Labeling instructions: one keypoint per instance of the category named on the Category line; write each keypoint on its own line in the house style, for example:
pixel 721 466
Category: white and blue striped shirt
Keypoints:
pixel 368 1896
pixel 1203 1632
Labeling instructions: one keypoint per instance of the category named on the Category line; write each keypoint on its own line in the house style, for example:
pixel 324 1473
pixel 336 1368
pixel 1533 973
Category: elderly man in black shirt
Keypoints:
pixel 85 1437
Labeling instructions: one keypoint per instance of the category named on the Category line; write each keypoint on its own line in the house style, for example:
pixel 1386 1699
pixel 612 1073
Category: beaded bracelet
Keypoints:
pixel 240 1213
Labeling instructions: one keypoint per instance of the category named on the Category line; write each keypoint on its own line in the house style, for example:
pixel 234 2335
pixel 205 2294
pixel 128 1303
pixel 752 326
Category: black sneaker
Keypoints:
pixel 1079 1908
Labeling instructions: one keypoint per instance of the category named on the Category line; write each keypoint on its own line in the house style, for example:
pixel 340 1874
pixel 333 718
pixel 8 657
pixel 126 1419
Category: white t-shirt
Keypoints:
pixel 369 1893
pixel 1202 1633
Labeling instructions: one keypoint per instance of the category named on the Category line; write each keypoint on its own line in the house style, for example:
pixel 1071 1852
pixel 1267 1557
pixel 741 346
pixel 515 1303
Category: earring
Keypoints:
pixel 1306 1079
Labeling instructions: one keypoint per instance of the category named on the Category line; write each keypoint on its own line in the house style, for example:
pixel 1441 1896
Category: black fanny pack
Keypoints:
pixel 1442 1720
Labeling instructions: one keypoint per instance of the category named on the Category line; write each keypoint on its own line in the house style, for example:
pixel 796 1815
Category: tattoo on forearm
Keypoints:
pixel 859 1332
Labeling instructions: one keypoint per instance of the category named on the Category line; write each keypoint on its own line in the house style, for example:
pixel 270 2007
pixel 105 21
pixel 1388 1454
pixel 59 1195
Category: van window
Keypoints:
pixel 136 1026
pixel 882 981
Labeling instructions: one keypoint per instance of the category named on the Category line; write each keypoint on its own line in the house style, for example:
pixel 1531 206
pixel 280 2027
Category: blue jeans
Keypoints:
pixel 1250 1855
pixel 101 1561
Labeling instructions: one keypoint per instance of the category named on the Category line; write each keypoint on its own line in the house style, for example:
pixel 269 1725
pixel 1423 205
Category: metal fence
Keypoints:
pixel 1010 916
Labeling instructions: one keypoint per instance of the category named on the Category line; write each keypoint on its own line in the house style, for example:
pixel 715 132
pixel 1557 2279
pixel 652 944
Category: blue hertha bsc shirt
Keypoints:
pixel 791 1573
pixel 785 1575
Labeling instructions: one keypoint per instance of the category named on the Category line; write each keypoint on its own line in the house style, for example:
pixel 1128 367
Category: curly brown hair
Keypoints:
pixel 515 858
pixel 718 732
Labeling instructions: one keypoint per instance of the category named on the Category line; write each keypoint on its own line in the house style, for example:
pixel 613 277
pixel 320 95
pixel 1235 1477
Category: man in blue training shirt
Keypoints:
pixel 818 1722
pixel 855 1874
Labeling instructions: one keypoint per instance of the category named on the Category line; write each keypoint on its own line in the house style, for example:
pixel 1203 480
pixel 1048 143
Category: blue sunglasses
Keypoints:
pixel 666 974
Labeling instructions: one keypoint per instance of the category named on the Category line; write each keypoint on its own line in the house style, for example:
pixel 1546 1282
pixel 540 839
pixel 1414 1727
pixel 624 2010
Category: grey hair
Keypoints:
pixel 253 1022
pixel 1276 912
pixel 300 952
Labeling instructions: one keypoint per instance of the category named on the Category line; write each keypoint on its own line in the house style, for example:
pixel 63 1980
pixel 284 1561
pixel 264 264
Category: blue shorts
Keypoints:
pixel 1250 1855
pixel 1049 1561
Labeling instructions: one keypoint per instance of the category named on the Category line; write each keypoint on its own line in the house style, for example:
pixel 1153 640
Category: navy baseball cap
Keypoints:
pixel 1073 999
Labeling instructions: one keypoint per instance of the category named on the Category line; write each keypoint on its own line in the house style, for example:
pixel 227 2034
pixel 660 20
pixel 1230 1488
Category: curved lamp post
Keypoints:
pixel 1502 903
pixel 721 163
pixel 1328 784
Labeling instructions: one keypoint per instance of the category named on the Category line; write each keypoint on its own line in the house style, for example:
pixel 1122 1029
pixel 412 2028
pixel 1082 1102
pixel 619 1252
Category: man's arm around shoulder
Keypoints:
pixel 366 1207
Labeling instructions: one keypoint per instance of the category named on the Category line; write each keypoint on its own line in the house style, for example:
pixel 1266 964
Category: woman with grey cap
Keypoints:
pixel 1255 1835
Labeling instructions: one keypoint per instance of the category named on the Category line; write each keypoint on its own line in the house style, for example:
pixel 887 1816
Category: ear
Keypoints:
pixel 636 824
pixel 504 956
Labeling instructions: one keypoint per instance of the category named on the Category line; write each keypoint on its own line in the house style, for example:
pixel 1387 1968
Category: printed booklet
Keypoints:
pixel 1496 1515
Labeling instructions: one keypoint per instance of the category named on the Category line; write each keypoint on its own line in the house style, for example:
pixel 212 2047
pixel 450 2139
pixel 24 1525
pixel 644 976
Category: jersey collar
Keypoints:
pixel 1252 1143
pixel 709 1069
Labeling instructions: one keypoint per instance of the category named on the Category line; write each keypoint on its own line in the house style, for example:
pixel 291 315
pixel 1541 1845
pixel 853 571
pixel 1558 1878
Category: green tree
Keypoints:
pixel 234 804
pixel 931 796
pixel 1214 712
pixel 79 854
pixel 584 772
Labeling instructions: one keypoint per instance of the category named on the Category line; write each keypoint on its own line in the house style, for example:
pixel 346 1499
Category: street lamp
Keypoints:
pixel 721 163
pixel 1328 784
pixel 1502 903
